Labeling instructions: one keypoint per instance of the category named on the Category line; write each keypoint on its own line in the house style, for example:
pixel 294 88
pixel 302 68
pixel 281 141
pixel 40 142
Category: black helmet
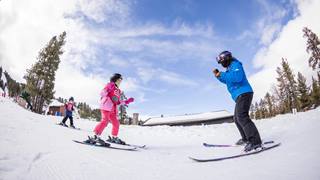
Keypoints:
pixel 115 77
pixel 71 99
pixel 224 58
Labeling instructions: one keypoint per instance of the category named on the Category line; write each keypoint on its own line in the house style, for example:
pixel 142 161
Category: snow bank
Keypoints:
pixel 199 117
pixel 33 147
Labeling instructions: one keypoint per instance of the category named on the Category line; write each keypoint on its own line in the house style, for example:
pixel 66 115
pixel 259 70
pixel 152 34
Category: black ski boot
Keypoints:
pixel 72 126
pixel 116 140
pixel 250 146
pixel 241 142
pixel 63 124
pixel 96 140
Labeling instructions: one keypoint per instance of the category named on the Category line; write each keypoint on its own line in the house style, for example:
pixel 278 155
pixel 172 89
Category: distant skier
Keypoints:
pixel 68 109
pixel 26 96
pixel 109 101
pixel 239 88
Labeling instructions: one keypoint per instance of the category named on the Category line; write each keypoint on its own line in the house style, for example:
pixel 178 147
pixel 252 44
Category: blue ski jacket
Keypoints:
pixel 235 79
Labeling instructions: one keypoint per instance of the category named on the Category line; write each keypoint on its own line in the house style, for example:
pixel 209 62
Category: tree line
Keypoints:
pixel 292 92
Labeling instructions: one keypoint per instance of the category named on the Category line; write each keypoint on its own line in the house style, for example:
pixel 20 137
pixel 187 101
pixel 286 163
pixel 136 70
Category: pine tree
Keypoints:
pixel 252 111
pixel 282 92
pixel 96 114
pixel 315 93
pixel 123 109
pixel 41 77
pixel 292 84
pixel 287 87
pixel 303 92
pixel 257 113
pixel 318 78
pixel 276 100
pixel 269 105
pixel 85 111
pixel 313 46
pixel 263 109
pixel 60 99
pixel 12 86
pixel 1 82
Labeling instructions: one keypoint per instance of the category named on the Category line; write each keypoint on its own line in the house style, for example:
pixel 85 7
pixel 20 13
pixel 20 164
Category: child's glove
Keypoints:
pixel 128 101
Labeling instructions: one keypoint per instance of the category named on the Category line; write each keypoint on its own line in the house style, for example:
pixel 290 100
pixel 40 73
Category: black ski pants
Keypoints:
pixel 66 118
pixel 246 127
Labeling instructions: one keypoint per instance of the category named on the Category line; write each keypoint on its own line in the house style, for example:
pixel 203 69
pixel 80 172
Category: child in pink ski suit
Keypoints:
pixel 110 99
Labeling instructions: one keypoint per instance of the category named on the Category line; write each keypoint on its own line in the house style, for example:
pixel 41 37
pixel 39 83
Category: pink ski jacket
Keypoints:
pixel 110 97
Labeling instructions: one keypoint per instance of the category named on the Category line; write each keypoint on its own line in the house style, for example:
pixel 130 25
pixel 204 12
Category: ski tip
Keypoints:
pixel 268 142
pixel 140 147
pixel 196 160
pixel 77 141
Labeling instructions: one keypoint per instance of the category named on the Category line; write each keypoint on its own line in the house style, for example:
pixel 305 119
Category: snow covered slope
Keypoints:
pixel 33 147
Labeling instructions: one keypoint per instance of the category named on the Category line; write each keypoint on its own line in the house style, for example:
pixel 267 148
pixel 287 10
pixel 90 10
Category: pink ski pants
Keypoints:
pixel 106 117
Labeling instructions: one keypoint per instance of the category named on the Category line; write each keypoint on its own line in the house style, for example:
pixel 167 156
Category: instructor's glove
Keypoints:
pixel 216 72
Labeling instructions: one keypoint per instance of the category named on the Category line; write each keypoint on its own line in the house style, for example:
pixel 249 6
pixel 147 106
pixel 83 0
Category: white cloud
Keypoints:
pixel 113 12
pixel 269 32
pixel 174 78
pixel 130 84
pixel 267 27
pixel 148 74
pixel 26 27
pixel 84 88
pixel 175 43
pixel 289 44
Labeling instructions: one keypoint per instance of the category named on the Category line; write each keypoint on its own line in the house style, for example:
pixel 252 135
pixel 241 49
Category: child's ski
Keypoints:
pixel 69 127
pixel 110 147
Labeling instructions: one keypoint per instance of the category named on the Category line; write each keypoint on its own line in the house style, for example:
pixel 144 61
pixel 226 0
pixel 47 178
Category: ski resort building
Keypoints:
pixel 56 108
pixel 214 117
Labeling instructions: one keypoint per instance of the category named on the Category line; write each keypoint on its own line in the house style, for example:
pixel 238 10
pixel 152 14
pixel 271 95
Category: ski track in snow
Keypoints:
pixel 33 147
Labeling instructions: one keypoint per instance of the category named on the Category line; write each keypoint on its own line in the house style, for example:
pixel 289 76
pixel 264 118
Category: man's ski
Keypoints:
pixel 110 147
pixel 236 156
pixel 229 145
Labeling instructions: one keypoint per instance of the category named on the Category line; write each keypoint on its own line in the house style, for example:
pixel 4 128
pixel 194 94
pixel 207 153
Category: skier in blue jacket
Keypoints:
pixel 239 88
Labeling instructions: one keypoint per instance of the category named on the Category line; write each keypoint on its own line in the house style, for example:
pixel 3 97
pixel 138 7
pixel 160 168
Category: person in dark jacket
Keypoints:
pixel 241 91
pixel 68 109
pixel 26 96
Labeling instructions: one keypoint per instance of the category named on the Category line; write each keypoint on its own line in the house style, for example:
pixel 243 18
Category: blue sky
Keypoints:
pixel 165 49
pixel 220 25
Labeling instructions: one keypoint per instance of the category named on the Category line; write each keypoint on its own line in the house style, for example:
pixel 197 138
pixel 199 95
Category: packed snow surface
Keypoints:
pixel 32 146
